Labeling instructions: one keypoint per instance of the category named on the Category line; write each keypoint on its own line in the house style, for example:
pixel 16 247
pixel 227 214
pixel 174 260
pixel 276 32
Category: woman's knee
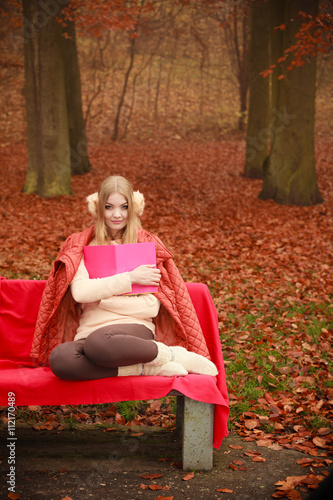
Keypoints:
pixel 62 357
pixel 100 347
pixel 56 361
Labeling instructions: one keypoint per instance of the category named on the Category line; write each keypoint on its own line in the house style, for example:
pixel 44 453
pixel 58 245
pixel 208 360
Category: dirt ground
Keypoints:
pixel 84 464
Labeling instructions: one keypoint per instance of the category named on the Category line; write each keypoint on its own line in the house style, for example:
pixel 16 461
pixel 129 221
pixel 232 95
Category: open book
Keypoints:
pixel 106 260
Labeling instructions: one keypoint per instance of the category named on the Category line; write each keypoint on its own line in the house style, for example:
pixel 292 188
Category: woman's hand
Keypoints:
pixel 145 275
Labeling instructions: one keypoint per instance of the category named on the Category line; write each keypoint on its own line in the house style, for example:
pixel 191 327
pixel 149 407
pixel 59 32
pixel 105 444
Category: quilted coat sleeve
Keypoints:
pixel 189 325
pixel 184 328
pixel 57 306
pixel 55 289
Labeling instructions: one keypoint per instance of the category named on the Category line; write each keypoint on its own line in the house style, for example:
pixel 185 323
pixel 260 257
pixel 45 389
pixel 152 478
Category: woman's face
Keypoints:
pixel 116 213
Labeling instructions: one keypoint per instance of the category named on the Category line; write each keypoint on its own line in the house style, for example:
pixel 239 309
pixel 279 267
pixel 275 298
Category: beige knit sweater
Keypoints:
pixel 103 304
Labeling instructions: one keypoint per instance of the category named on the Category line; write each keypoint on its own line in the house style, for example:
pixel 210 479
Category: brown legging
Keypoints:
pixel 100 354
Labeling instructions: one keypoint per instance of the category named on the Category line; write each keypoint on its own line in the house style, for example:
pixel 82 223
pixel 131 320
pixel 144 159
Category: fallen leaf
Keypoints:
pixel 151 476
pixel 299 428
pixel 155 405
pixel 264 442
pixel 251 424
pixel 188 476
pixel 163 498
pixel 293 495
pixel 305 461
pixel 275 447
pixel 237 462
pixel 224 490
pixel 252 453
pixel 14 496
pixel 119 419
pixel 155 487
pixel 290 482
pixel 319 442
pixel 323 431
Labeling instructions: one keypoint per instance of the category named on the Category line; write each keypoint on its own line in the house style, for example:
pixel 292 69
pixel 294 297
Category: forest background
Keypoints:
pixel 180 139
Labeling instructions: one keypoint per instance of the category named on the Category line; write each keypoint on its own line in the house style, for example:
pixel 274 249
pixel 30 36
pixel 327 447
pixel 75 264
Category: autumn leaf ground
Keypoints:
pixel 268 267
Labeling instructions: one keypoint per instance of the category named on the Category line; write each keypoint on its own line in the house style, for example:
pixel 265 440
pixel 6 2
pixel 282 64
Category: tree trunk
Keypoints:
pixel 276 43
pixel 122 97
pixel 289 173
pixel 77 131
pixel 49 172
pixel 237 16
pixel 243 88
pixel 244 71
pixel 258 126
pixel 157 92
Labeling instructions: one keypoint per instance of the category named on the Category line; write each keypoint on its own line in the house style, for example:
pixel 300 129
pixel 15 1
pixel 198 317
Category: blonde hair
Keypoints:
pixel 116 184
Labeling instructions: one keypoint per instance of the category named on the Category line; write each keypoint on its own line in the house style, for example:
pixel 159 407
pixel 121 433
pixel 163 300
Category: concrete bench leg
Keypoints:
pixel 197 427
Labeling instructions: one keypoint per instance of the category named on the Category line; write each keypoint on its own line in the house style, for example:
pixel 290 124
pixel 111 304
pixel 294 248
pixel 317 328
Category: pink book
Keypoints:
pixel 106 260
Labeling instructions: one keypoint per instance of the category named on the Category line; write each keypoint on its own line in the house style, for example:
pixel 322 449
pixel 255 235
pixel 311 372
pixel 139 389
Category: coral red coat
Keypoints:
pixel 58 316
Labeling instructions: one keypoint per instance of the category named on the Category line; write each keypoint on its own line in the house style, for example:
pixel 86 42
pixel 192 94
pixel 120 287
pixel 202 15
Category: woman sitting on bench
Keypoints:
pixel 104 333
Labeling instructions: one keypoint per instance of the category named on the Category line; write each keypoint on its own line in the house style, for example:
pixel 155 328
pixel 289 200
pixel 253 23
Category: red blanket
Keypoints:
pixel 19 303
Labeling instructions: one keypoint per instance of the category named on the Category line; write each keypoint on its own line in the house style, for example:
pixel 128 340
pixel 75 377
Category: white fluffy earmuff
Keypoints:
pixel 138 201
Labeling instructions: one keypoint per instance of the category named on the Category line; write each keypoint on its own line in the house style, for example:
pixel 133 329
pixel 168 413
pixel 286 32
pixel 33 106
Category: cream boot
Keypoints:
pixel 168 369
pixel 192 362
pixel 164 354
